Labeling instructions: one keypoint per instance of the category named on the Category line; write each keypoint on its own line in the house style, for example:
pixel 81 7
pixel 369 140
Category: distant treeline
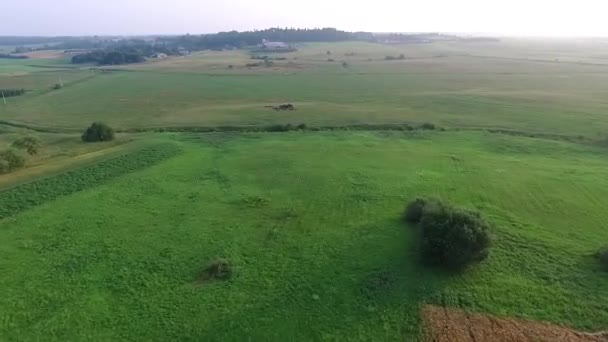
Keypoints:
pixel 235 39
pixel 133 51
pixel 13 40
pixel 12 92
pixel 9 56
pixel 127 51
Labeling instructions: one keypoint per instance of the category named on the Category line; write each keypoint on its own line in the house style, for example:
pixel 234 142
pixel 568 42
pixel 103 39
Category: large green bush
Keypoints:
pixel 98 132
pixel 451 237
pixel 10 160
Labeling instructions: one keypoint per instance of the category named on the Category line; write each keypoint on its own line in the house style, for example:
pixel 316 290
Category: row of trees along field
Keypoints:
pixel 133 51
pixel 11 92
pixel 136 50
pixel 249 38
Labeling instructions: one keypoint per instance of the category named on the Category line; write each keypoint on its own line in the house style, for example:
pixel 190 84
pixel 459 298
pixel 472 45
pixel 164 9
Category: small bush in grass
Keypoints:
pixel 31 144
pixel 452 237
pixel 428 126
pixel 603 258
pixel 98 132
pixel 219 269
pixel 10 160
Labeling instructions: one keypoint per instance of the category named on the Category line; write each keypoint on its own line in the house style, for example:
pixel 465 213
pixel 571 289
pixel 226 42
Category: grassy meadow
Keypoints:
pixel 107 241
pixel 317 243
pixel 453 84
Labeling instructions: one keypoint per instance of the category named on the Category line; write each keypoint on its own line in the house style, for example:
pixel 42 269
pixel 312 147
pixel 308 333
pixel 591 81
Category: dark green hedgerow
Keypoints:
pixel 23 197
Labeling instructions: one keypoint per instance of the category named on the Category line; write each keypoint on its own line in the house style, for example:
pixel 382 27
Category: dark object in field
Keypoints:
pixel 603 258
pixel 12 92
pixel 451 237
pixel 393 58
pixel 428 125
pixel 287 106
pixel 219 269
pixel 98 132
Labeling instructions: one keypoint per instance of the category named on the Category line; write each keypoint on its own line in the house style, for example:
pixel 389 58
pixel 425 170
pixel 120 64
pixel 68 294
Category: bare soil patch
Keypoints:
pixel 453 325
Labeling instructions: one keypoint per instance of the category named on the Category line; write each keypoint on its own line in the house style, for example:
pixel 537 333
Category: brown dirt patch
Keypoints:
pixel 452 325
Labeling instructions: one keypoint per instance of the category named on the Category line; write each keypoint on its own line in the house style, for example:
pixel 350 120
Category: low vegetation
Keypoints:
pixel 12 92
pixel 219 269
pixel 309 219
pixel 11 160
pixel 97 132
pixel 307 215
pixel 10 56
pixel 108 58
pixel 29 195
pixel 451 237
pixel 30 144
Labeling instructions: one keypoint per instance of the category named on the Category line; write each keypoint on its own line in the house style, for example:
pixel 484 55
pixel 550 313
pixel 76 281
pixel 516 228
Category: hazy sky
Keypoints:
pixel 103 17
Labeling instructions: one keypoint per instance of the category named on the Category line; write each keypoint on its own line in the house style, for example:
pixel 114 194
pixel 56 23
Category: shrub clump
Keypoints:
pixel 98 132
pixel 30 144
pixel 10 160
pixel 451 237
pixel 428 126
pixel 219 269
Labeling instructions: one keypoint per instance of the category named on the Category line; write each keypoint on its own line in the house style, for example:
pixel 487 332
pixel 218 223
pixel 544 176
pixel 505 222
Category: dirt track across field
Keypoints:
pixel 452 325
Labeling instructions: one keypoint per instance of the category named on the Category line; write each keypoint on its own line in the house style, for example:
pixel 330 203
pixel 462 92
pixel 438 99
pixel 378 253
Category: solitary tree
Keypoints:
pixel 98 132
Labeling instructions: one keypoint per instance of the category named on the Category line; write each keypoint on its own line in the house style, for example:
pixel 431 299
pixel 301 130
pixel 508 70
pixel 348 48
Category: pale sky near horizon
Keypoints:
pixel 136 17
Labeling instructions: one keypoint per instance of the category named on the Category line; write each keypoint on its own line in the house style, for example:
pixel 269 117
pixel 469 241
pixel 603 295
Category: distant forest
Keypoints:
pixel 124 50
pixel 127 51
pixel 234 39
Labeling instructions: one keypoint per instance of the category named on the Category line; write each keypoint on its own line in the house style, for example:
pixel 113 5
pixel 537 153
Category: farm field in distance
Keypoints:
pixel 513 85
pixel 107 241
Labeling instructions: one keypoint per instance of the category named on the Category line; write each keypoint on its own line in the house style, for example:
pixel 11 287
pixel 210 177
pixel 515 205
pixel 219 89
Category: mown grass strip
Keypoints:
pixel 26 196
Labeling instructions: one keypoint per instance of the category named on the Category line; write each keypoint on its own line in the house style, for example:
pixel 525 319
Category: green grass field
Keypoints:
pixel 107 241
pixel 317 243
pixel 489 85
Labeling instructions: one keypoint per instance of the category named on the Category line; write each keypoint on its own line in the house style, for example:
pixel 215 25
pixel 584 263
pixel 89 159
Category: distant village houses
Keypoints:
pixel 159 55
